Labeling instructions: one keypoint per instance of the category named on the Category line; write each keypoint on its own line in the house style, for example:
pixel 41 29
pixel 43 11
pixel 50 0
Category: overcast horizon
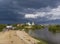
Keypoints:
pixel 39 11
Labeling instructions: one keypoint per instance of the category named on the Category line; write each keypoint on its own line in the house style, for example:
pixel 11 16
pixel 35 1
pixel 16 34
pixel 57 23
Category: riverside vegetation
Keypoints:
pixel 26 27
pixel 54 28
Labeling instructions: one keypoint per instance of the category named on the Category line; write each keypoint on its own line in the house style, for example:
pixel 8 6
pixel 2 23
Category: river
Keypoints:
pixel 45 34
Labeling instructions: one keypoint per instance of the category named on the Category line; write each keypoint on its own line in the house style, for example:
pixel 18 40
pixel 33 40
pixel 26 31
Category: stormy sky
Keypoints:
pixel 17 11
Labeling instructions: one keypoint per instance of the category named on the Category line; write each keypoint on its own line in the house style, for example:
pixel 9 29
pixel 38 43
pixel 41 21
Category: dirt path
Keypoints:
pixel 25 37
pixel 16 37
pixel 10 38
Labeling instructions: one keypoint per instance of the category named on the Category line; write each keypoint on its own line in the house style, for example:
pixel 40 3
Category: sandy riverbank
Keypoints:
pixel 16 37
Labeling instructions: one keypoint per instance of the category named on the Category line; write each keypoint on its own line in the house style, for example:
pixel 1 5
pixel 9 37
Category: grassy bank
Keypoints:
pixel 34 27
pixel 2 26
pixel 41 41
pixel 54 28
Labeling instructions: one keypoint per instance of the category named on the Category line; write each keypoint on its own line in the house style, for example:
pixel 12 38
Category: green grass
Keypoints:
pixel 2 26
pixel 54 28
pixel 41 41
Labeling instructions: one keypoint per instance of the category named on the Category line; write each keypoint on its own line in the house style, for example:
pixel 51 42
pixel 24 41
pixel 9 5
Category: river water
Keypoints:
pixel 45 34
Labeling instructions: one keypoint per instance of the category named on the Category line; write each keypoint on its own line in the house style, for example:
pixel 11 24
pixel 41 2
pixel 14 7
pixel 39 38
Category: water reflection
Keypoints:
pixel 47 35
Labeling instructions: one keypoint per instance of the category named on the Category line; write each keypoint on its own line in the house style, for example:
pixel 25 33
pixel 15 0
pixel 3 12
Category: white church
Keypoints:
pixel 28 23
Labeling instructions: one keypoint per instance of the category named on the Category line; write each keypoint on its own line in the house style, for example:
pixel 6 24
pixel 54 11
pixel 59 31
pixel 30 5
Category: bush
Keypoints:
pixel 37 27
pixel 54 28
pixel 2 26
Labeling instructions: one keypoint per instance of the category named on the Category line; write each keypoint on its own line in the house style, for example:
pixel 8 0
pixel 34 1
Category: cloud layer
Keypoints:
pixel 51 14
pixel 31 10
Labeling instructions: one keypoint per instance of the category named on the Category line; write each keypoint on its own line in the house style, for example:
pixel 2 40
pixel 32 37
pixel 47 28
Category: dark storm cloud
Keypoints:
pixel 23 5
pixel 37 3
pixel 14 10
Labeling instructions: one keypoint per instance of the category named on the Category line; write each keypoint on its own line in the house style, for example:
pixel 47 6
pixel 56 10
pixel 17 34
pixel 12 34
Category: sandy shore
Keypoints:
pixel 16 37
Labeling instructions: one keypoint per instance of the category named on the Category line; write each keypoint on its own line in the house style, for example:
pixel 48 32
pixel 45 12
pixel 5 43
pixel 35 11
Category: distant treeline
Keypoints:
pixel 20 27
pixel 2 26
pixel 25 26
pixel 54 28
